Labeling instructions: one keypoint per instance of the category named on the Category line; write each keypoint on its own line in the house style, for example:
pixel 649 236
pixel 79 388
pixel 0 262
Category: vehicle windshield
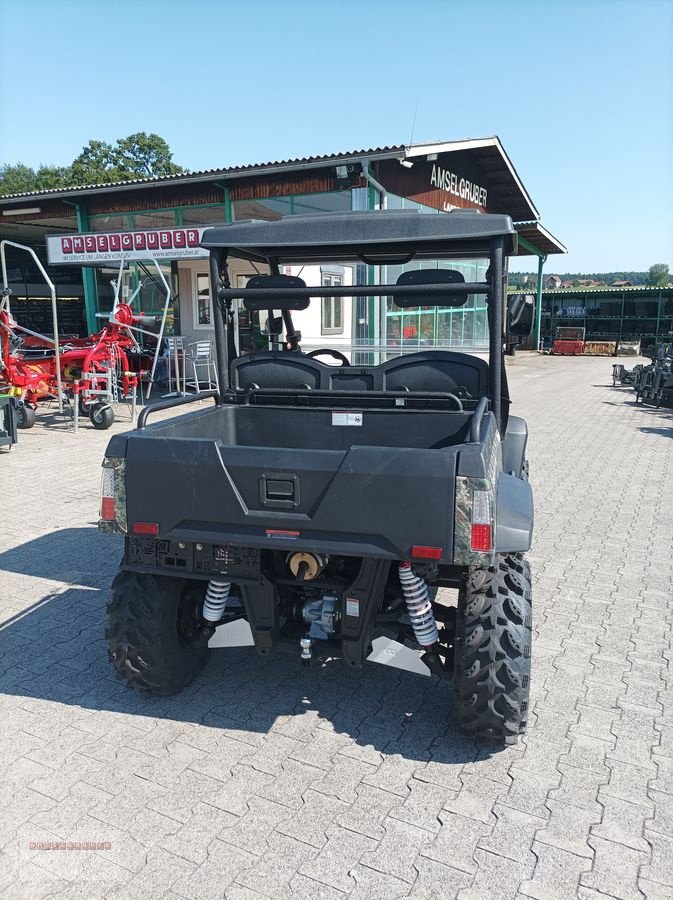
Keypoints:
pixel 368 330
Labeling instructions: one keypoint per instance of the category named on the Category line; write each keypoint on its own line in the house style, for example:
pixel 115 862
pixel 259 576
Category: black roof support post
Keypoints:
pixel 219 278
pixel 496 326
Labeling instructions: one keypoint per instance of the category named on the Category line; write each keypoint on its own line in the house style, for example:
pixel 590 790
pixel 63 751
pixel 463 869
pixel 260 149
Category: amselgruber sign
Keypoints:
pixel 163 243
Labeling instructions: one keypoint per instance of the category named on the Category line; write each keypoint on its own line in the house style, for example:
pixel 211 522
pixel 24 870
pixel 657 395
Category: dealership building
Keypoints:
pixel 82 233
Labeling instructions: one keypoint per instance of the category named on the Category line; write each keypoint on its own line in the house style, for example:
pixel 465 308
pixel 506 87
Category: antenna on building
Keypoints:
pixel 413 123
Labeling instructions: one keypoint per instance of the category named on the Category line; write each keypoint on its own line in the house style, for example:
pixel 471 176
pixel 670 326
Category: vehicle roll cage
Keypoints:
pixel 493 246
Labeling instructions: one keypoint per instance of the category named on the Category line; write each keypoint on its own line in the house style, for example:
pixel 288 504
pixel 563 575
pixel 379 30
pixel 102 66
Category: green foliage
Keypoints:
pixel 139 155
pixel 658 275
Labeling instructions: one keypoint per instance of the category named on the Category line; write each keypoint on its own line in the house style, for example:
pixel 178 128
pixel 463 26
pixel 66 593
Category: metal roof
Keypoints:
pixel 642 289
pixel 539 236
pixel 375 153
pixel 489 152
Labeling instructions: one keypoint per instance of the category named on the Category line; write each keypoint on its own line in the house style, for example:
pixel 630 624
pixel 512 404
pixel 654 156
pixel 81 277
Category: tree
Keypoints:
pixel 17 179
pixel 145 156
pixel 658 275
pixel 139 155
pixel 95 165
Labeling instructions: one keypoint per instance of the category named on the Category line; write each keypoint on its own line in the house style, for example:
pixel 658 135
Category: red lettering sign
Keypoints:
pixel 192 237
pixel 178 239
pixel 127 242
pixel 90 243
pixel 101 243
pixel 152 240
pixel 66 245
pixel 78 245
pixel 165 240
pixel 115 242
pixel 139 240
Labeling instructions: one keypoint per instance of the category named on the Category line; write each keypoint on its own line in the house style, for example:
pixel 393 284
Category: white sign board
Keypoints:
pixel 160 243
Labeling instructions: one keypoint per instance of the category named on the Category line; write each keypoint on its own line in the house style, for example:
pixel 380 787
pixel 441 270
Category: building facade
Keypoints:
pixel 86 230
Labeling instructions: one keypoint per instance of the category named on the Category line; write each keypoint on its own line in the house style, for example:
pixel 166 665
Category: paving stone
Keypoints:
pixel 342 852
pixel 512 835
pixel 289 784
pixel 371 883
pixel 541 758
pixel 661 817
pixel 251 831
pixel 628 783
pixel 397 850
pixel 664 777
pixel 178 803
pixel 343 779
pixel 623 823
pixel 223 865
pixel 423 804
pixel 367 814
pixel 191 840
pixel 311 822
pixel 497 878
pixel 660 867
pixel 568 828
pixel 557 873
pixel 587 753
pixel 579 787
pixel 615 870
pixel 436 881
pixel 304 888
pixel 476 799
pixel 457 842
pixel 233 795
pixel 155 879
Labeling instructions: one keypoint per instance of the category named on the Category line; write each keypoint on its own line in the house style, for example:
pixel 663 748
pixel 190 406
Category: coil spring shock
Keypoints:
pixel 215 600
pixel 419 608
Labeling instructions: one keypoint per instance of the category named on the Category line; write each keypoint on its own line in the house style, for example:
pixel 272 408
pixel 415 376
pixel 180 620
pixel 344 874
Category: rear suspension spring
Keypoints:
pixel 215 601
pixel 419 608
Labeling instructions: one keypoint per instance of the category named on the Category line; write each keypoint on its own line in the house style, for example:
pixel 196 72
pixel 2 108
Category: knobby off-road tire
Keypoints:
pixel 147 640
pixel 492 650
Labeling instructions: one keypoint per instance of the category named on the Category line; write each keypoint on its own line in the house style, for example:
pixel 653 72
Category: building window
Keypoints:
pixel 202 312
pixel 332 307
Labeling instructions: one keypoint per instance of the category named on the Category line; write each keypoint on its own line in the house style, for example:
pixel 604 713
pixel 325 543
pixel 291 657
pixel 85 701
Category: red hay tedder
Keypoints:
pixel 93 372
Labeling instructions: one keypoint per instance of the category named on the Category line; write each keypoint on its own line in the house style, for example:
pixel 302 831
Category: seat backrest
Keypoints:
pixel 437 371
pixel 276 369
pixel 202 349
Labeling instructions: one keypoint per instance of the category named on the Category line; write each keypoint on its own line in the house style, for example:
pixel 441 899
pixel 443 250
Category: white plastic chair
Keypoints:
pixel 199 355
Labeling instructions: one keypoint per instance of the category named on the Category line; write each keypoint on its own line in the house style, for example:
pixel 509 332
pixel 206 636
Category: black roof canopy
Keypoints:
pixel 382 236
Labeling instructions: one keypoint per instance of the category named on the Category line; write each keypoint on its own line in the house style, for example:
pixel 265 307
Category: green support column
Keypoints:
pixel 538 301
pixel 88 275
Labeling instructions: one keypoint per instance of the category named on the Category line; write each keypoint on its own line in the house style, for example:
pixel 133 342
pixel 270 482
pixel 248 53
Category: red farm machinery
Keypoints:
pixel 88 374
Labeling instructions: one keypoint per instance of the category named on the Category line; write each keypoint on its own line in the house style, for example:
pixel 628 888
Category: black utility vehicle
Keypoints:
pixel 323 503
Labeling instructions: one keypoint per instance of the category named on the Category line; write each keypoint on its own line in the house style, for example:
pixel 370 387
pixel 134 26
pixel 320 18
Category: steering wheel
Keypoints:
pixel 335 354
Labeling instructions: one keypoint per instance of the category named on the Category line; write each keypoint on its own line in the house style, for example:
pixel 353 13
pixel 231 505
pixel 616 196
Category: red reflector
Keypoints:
pixel 481 537
pixel 146 528
pixel 107 509
pixel 426 552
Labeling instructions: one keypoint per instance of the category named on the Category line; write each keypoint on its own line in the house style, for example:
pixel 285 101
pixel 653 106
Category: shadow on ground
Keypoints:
pixel 55 650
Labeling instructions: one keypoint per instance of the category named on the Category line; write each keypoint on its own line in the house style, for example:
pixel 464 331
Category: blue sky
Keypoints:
pixel 580 93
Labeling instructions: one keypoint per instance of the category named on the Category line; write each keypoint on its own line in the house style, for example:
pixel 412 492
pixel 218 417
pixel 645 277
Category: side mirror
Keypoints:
pixel 521 314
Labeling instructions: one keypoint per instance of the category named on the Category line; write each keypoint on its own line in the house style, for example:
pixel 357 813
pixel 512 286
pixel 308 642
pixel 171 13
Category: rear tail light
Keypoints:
pixel 113 496
pixel 107 496
pixel 481 533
